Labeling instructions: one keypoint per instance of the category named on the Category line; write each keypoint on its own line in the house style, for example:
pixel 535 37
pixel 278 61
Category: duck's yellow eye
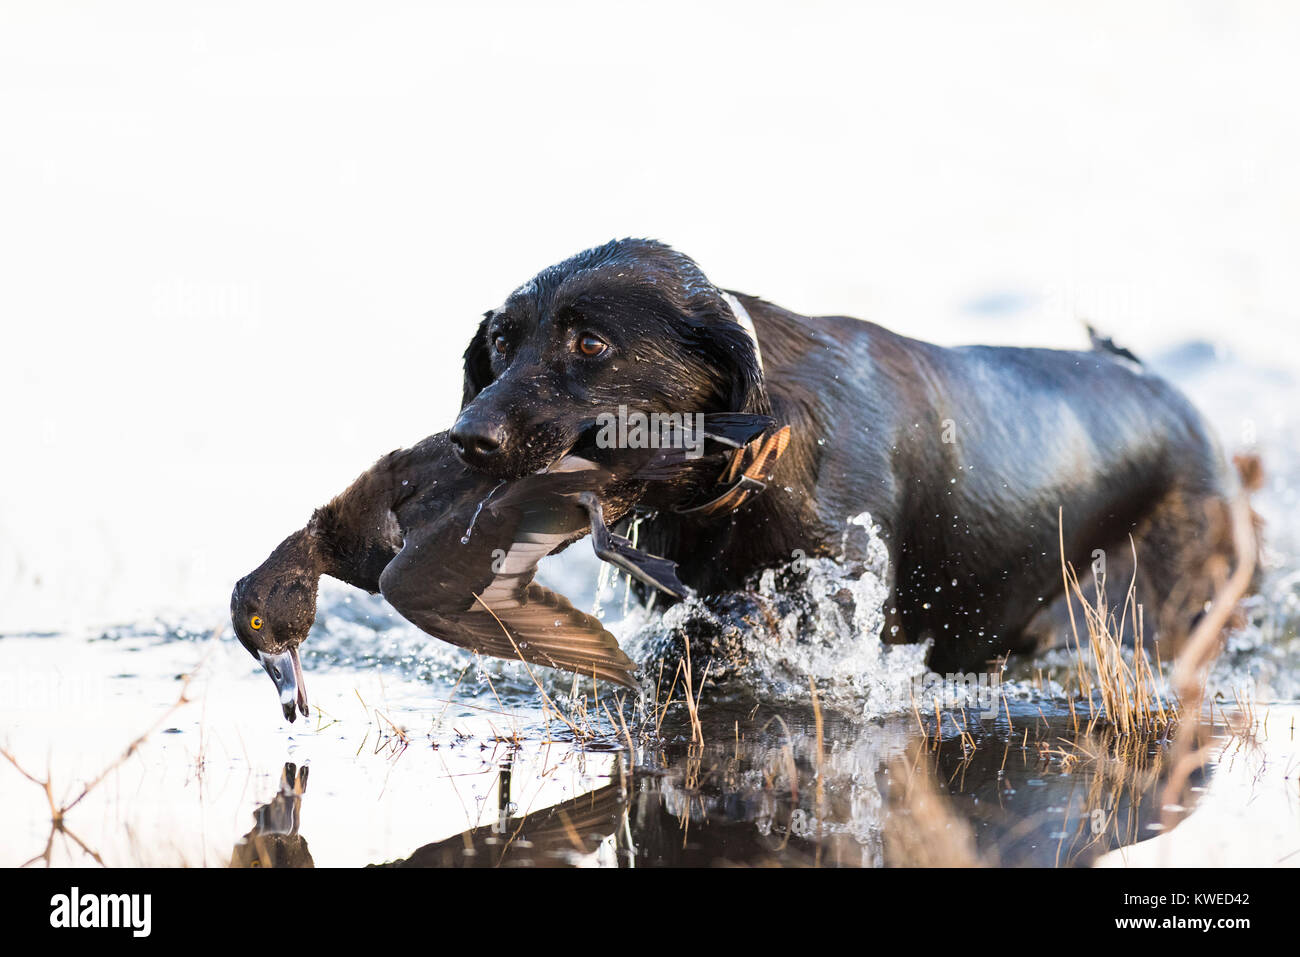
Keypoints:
pixel 256 623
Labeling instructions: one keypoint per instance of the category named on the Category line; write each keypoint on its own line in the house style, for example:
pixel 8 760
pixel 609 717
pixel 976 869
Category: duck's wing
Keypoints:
pixel 544 628
pixel 746 474
pixel 540 627
pixel 476 590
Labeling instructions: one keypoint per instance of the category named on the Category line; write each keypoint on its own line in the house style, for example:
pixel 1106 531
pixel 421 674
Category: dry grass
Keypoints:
pixel 1122 771
pixel 1133 711
pixel 395 741
pixel 59 809
pixel 921 828
pixel 549 706
pixel 1131 699
pixel 1137 738
pixel 693 696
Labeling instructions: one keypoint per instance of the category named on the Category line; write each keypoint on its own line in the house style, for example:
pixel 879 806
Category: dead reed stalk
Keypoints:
pixel 1131 700
pixel 59 809
pixel 921 828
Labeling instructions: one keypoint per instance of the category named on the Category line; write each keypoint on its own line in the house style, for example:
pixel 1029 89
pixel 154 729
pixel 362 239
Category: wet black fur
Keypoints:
pixel 1032 430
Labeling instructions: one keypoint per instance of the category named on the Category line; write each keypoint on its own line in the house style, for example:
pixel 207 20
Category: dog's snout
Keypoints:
pixel 475 439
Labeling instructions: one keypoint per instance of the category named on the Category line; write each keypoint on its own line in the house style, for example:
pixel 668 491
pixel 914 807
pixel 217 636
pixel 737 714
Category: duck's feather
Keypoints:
pixel 543 628
pixel 473 586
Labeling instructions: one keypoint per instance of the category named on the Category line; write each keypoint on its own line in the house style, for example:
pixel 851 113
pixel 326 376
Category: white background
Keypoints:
pixel 242 245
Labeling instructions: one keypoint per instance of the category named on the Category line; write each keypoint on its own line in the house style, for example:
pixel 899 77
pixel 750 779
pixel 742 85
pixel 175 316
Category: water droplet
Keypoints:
pixel 469 531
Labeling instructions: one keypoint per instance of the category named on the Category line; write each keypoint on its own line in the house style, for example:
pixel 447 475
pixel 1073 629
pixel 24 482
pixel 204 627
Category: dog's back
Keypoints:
pixel 966 456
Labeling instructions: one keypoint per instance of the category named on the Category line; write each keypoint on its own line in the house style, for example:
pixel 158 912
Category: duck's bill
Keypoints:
pixel 286 671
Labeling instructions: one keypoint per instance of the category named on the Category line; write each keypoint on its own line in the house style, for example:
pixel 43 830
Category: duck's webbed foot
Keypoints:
pixel 651 569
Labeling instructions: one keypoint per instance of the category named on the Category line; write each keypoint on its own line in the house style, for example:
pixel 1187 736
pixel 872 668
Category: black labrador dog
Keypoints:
pixel 963 457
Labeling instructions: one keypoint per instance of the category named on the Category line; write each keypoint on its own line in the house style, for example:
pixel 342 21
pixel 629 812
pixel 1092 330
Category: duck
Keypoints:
pixel 455 552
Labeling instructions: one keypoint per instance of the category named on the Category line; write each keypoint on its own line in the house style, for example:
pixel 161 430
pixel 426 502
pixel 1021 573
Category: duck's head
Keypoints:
pixel 272 610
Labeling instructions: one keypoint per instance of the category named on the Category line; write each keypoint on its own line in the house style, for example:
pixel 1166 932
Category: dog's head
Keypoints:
pixel 632 323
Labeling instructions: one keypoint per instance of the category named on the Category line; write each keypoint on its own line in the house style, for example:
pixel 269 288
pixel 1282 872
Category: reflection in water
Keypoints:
pixel 559 835
pixel 274 840
pixel 1060 801
pixel 1018 798
pixel 765 792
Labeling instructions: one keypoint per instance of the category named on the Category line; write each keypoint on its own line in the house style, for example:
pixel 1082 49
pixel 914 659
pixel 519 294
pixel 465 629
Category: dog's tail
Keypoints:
pixel 1102 343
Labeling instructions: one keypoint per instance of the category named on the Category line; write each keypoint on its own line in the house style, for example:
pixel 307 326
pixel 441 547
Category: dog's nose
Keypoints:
pixel 476 440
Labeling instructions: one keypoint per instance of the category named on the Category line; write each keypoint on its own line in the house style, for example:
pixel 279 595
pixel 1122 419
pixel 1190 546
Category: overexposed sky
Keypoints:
pixel 242 245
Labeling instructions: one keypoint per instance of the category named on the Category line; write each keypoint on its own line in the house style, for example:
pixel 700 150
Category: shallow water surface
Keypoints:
pixel 417 753
pixel 396 769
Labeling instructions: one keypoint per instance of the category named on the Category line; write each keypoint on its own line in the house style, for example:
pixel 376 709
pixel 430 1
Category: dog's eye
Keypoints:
pixel 499 343
pixel 590 345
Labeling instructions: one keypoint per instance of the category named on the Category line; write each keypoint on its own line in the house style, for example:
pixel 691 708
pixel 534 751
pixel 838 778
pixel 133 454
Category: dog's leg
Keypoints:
pixel 1184 552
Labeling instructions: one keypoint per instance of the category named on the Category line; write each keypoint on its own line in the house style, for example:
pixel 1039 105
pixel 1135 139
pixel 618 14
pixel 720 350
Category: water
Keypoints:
pixel 464 539
pixel 403 770
pixel 229 355
pixel 417 753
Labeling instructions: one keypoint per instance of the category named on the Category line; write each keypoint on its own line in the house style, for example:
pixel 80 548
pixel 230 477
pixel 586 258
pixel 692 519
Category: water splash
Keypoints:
pixel 815 617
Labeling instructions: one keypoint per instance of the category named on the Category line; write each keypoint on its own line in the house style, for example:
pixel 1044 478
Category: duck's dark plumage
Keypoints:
pixel 455 553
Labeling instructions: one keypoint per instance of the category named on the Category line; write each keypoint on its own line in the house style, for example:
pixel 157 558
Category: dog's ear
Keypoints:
pixel 730 347
pixel 478 364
